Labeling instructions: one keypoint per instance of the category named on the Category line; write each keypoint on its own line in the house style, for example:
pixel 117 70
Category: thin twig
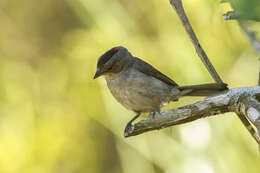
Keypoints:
pixel 249 127
pixel 177 4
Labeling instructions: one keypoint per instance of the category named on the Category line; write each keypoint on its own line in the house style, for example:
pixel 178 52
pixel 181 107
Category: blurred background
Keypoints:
pixel 54 118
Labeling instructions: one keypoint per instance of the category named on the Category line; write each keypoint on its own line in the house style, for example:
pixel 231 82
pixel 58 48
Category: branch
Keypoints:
pixel 177 5
pixel 249 105
pixel 256 45
pixel 250 128
pixel 243 101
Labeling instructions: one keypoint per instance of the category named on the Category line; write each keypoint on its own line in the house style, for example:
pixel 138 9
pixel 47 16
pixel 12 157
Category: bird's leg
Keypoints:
pixel 129 124
pixel 157 110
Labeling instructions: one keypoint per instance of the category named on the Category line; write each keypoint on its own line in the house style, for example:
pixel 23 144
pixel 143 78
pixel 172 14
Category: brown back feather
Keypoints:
pixel 149 70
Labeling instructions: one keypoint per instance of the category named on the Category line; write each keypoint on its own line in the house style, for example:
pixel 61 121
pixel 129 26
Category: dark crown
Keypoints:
pixel 106 56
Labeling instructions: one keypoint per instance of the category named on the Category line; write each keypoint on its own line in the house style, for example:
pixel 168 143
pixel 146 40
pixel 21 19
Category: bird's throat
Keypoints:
pixel 110 76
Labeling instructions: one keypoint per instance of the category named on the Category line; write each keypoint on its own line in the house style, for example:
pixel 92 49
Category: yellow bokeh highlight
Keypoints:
pixel 55 118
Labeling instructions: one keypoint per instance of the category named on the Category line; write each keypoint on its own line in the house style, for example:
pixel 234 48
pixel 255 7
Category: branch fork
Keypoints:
pixel 245 102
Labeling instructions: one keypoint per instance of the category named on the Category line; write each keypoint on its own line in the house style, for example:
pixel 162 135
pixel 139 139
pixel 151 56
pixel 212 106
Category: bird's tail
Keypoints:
pixel 203 89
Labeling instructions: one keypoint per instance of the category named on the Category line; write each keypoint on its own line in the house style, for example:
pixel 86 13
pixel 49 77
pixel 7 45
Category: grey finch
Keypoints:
pixel 141 88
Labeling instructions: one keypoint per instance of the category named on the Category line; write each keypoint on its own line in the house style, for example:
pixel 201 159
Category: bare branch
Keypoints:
pixel 250 107
pixel 177 5
pixel 249 127
pixel 252 112
pixel 243 101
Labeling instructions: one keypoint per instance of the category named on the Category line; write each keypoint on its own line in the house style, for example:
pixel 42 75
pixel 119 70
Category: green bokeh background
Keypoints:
pixel 54 118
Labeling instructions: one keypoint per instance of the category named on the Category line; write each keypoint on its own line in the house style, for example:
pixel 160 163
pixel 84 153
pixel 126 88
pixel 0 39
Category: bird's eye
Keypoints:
pixel 115 49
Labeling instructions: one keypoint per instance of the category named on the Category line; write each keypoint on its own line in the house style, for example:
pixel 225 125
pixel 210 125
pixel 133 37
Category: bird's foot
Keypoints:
pixel 153 115
pixel 156 111
pixel 128 129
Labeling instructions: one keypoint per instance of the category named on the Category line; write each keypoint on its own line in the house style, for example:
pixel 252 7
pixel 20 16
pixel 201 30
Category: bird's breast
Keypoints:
pixel 139 92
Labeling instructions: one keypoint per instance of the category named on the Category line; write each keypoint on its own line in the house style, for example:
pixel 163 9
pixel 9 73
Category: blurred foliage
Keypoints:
pixel 55 118
pixel 244 9
pixel 247 12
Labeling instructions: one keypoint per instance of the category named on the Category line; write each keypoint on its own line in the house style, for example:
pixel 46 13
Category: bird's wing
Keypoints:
pixel 147 69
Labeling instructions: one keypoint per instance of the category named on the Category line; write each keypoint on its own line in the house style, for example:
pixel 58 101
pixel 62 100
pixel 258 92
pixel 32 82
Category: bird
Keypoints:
pixel 140 87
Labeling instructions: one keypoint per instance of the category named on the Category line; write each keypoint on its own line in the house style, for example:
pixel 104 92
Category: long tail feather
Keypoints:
pixel 203 89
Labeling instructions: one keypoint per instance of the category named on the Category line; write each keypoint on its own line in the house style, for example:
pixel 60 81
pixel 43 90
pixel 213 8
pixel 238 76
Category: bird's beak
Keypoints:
pixel 97 74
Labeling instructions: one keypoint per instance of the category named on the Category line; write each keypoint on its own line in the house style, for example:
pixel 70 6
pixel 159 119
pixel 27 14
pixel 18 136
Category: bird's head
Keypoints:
pixel 113 61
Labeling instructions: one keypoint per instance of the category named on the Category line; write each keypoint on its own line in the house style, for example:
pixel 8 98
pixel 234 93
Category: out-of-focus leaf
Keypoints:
pixel 244 10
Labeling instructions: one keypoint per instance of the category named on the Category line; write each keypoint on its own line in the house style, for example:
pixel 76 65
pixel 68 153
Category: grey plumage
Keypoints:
pixel 139 87
pixel 140 92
